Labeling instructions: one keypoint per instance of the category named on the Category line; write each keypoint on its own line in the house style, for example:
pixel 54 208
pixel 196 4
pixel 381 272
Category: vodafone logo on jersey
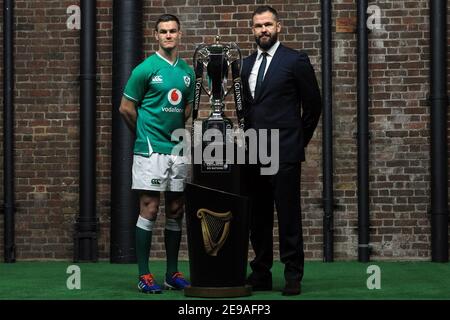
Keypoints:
pixel 174 96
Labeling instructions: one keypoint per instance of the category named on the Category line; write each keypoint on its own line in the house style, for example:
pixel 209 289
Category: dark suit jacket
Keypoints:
pixel 289 100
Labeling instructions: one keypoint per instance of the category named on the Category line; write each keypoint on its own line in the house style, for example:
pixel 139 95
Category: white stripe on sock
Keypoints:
pixel 145 224
pixel 173 224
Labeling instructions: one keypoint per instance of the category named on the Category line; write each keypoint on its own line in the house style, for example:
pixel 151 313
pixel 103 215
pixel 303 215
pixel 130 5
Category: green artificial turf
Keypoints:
pixel 329 281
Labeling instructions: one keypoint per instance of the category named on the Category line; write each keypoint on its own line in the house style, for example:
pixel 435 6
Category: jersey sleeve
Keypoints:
pixel 137 85
pixel 191 92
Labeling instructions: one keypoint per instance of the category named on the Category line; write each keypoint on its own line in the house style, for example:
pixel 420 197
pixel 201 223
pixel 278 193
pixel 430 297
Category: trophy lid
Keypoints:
pixel 216 47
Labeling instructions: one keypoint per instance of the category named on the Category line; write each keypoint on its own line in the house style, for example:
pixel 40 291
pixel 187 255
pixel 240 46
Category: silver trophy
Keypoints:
pixel 217 59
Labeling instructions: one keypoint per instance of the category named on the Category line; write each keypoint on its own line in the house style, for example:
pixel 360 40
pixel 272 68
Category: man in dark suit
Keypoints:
pixel 280 92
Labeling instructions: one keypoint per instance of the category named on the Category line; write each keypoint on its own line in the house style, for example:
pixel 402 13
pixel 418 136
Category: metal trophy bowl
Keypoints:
pixel 217 212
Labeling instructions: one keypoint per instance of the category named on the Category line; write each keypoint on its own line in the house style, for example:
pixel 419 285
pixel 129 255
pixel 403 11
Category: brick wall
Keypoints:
pixel 47 120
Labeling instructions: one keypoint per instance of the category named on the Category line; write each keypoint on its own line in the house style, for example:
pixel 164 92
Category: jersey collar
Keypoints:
pixel 172 64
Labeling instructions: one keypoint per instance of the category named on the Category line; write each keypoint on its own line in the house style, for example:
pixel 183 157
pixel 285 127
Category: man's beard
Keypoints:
pixel 267 44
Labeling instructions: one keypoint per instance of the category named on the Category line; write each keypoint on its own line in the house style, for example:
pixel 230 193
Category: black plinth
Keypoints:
pixel 232 181
pixel 221 273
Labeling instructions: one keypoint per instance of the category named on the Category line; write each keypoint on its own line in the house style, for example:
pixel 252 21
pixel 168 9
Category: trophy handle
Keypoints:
pixel 236 67
pixel 197 89
pixel 199 50
pixel 235 71
pixel 201 54
pixel 235 46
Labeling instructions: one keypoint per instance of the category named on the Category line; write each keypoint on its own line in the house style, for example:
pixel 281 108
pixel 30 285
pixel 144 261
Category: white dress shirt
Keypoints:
pixel 254 73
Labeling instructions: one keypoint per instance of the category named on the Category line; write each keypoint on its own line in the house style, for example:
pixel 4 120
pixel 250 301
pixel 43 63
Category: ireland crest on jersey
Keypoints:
pixel 187 81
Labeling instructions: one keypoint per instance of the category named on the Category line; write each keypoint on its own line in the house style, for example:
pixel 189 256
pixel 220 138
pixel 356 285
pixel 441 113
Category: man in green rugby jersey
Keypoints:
pixel 156 101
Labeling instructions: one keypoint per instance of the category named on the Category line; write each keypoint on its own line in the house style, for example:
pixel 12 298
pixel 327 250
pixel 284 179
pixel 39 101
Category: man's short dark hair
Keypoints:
pixel 165 18
pixel 262 9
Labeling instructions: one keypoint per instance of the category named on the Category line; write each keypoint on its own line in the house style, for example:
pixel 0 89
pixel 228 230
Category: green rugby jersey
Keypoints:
pixel 161 91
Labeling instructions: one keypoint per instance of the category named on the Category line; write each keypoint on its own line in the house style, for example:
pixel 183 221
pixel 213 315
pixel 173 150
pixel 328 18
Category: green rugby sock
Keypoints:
pixel 172 241
pixel 143 244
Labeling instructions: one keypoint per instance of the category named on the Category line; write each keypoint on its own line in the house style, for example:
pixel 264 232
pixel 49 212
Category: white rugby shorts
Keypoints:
pixel 159 172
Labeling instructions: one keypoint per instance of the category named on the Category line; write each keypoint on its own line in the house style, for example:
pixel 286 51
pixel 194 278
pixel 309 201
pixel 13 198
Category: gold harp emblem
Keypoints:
pixel 215 229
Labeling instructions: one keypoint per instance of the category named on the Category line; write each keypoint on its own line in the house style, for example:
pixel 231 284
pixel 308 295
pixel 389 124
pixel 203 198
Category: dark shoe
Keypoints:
pixel 147 284
pixel 259 283
pixel 292 288
pixel 176 282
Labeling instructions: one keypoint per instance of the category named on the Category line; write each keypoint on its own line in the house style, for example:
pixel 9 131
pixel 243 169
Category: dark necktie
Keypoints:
pixel 261 70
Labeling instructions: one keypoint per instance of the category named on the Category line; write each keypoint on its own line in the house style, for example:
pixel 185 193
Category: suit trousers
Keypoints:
pixel 282 190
